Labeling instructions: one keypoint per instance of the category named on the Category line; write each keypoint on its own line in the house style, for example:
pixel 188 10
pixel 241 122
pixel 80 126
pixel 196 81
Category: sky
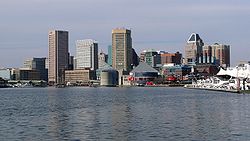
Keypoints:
pixel 155 24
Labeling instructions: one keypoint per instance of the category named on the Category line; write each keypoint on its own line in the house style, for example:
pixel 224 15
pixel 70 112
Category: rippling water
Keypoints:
pixel 79 114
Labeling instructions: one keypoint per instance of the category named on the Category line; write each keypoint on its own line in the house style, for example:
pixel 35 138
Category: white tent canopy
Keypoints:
pixel 242 71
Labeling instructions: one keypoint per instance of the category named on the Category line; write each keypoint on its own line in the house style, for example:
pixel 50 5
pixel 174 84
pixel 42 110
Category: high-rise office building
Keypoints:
pixel 37 64
pixel 193 49
pixel 217 54
pixel 58 56
pixel 71 63
pixel 121 49
pixel 135 58
pixel 87 54
pixel 110 55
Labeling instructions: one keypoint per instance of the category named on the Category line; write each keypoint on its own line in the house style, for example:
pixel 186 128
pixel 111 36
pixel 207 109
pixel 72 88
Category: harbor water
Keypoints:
pixel 136 113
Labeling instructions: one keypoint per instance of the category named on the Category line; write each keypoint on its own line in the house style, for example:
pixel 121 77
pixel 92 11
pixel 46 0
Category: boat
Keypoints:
pixel 215 83
pixel 230 80
pixel 60 86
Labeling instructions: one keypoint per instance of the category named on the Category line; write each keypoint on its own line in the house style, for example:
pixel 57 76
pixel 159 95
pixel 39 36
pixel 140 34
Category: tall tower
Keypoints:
pixel 87 54
pixel 222 53
pixel 121 49
pixel 193 49
pixel 58 55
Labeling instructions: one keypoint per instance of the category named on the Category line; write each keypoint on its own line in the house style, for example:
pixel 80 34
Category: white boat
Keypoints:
pixel 231 79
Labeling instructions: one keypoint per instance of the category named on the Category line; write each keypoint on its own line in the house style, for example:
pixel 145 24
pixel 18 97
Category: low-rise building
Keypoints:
pixel 25 74
pixel 39 65
pixel 206 69
pixel 173 72
pixel 3 83
pixel 102 66
pixel 142 74
pixel 5 74
pixel 79 76
pixel 109 77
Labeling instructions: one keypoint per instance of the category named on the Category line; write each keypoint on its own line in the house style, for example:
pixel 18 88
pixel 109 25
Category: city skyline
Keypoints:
pixel 162 25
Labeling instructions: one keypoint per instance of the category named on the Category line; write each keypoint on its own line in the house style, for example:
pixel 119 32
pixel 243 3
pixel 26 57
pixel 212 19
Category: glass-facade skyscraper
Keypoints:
pixel 110 55
pixel 87 54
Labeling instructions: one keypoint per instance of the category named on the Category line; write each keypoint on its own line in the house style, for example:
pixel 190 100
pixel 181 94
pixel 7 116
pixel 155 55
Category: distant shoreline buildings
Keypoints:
pixel 121 63
pixel 198 53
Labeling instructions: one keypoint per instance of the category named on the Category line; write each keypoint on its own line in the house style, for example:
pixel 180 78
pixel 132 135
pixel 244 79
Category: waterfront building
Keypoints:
pixel 58 56
pixel 87 54
pixel 206 69
pixel 79 77
pixel 37 64
pixel 109 77
pixel 5 73
pixel 142 74
pixel 167 58
pixel 15 74
pixel 29 74
pixel 193 49
pixel 25 74
pixel 121 49
pixel 173 72
pixel 102 66
pixel 3 83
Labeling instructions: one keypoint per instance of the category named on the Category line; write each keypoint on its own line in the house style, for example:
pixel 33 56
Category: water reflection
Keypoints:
pixel 58 116
pixel 123 114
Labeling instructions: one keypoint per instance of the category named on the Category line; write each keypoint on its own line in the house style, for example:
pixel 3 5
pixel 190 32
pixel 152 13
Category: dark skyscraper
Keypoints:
pixel 135 58
pixel 58 56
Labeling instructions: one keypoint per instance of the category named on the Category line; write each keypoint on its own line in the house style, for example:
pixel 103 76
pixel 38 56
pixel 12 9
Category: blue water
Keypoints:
pixel 79 114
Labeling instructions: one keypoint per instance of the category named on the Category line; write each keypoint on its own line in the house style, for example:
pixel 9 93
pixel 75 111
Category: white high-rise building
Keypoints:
pixel 87 54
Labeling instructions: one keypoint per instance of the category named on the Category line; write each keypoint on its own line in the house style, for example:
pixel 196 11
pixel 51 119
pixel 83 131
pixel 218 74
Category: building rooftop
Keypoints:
pixel 194 38
pixel 143 67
